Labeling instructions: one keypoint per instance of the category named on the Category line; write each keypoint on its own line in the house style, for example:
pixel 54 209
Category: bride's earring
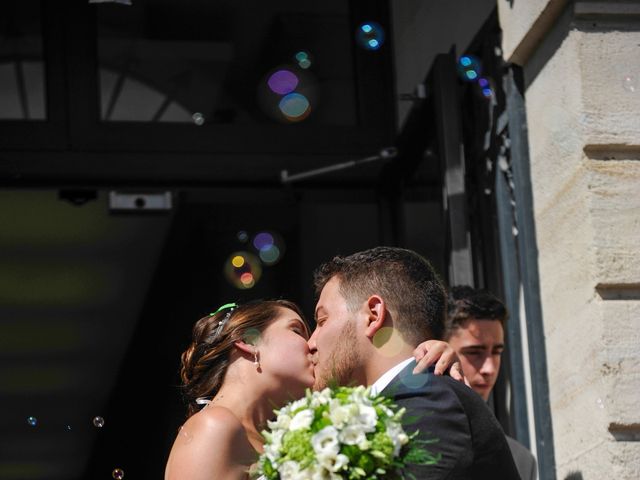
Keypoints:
pixel 255 358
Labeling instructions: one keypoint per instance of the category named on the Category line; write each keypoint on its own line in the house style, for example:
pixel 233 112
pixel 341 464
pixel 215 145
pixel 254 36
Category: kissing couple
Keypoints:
pixel 378 312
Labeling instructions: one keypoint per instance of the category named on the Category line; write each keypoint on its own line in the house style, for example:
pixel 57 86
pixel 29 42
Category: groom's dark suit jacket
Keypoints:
pixel 469 438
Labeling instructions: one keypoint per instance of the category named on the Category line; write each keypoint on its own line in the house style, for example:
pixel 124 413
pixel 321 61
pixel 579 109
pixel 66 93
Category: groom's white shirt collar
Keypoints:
pixel 389 375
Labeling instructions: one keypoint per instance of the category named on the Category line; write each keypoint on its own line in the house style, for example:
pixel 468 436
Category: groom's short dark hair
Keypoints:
pixel 406 281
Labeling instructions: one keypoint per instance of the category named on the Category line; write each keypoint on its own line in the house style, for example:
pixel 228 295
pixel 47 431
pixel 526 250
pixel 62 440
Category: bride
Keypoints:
pixel 244 362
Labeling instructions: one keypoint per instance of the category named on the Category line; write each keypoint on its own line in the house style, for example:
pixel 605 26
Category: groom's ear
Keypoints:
pixel 376 310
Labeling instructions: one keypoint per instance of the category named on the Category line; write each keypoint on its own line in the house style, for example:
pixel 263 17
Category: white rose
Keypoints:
pixel 302 420
pixel 352 435
pixel 289 470
pixel 320 473
pixel 367 417
pixel 284 410
pixel 302 402
pixel 333 463
pixel 305 474
pixel 320 398
pixel 340 414
pixel 387 411
pixel 281 423
pixel 364 444
pixel 397 435
pixel 361 395
pixel 272 450
pixel 325 442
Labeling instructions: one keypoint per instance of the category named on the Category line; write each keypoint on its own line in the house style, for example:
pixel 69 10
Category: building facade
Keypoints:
pixel 581 65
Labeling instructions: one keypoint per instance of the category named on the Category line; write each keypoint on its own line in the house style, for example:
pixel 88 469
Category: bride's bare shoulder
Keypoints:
pixel 219 426
pixel 211 441
pixel 216 419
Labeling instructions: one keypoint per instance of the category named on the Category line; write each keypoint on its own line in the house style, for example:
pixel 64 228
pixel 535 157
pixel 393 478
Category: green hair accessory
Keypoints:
pixel 230 307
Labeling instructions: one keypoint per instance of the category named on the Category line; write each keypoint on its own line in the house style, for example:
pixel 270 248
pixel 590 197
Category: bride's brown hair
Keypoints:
pixel 205 361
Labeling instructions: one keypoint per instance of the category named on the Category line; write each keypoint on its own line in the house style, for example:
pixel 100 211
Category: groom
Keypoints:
pixel 374 308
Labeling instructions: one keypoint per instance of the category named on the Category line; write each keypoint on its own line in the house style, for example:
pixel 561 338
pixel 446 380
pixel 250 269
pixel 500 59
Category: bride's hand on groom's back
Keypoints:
pixel 440 354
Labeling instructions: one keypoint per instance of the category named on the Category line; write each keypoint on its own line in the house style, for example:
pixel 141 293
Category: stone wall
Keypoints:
pixel 582 69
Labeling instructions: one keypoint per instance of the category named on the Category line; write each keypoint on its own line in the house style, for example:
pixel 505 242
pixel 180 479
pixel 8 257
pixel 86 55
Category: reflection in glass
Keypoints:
pixel 22 79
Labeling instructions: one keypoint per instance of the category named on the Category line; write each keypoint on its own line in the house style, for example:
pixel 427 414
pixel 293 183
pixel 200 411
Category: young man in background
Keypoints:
pixel 475 329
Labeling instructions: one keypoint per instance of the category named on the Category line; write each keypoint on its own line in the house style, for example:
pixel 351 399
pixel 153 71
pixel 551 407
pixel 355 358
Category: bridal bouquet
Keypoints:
pixel 340 433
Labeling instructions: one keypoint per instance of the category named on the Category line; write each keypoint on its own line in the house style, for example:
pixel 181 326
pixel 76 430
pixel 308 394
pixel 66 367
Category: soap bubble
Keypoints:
pixel 198 118
pixel 98 422
pixel 485 87
pixel 295 107
pixel 370 36
pixel 270 255
pixel 263 240
pixel 242 236
pixel 252 336
pixel 386 343
pixel 630 83
pixel 412 381
pixel 32 421
pixel 288 93
pixel 270 247
pixel 117 474
pixel 247 280
pixel 242 270
pixel 186 435
pixel 469 68
pixel 303 59
pixel 283 82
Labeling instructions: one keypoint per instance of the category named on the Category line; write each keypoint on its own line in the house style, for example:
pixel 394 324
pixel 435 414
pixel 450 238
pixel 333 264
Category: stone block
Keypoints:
pixel 525 24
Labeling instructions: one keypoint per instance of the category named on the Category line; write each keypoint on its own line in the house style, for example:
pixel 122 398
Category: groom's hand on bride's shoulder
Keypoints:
pixel 440 354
